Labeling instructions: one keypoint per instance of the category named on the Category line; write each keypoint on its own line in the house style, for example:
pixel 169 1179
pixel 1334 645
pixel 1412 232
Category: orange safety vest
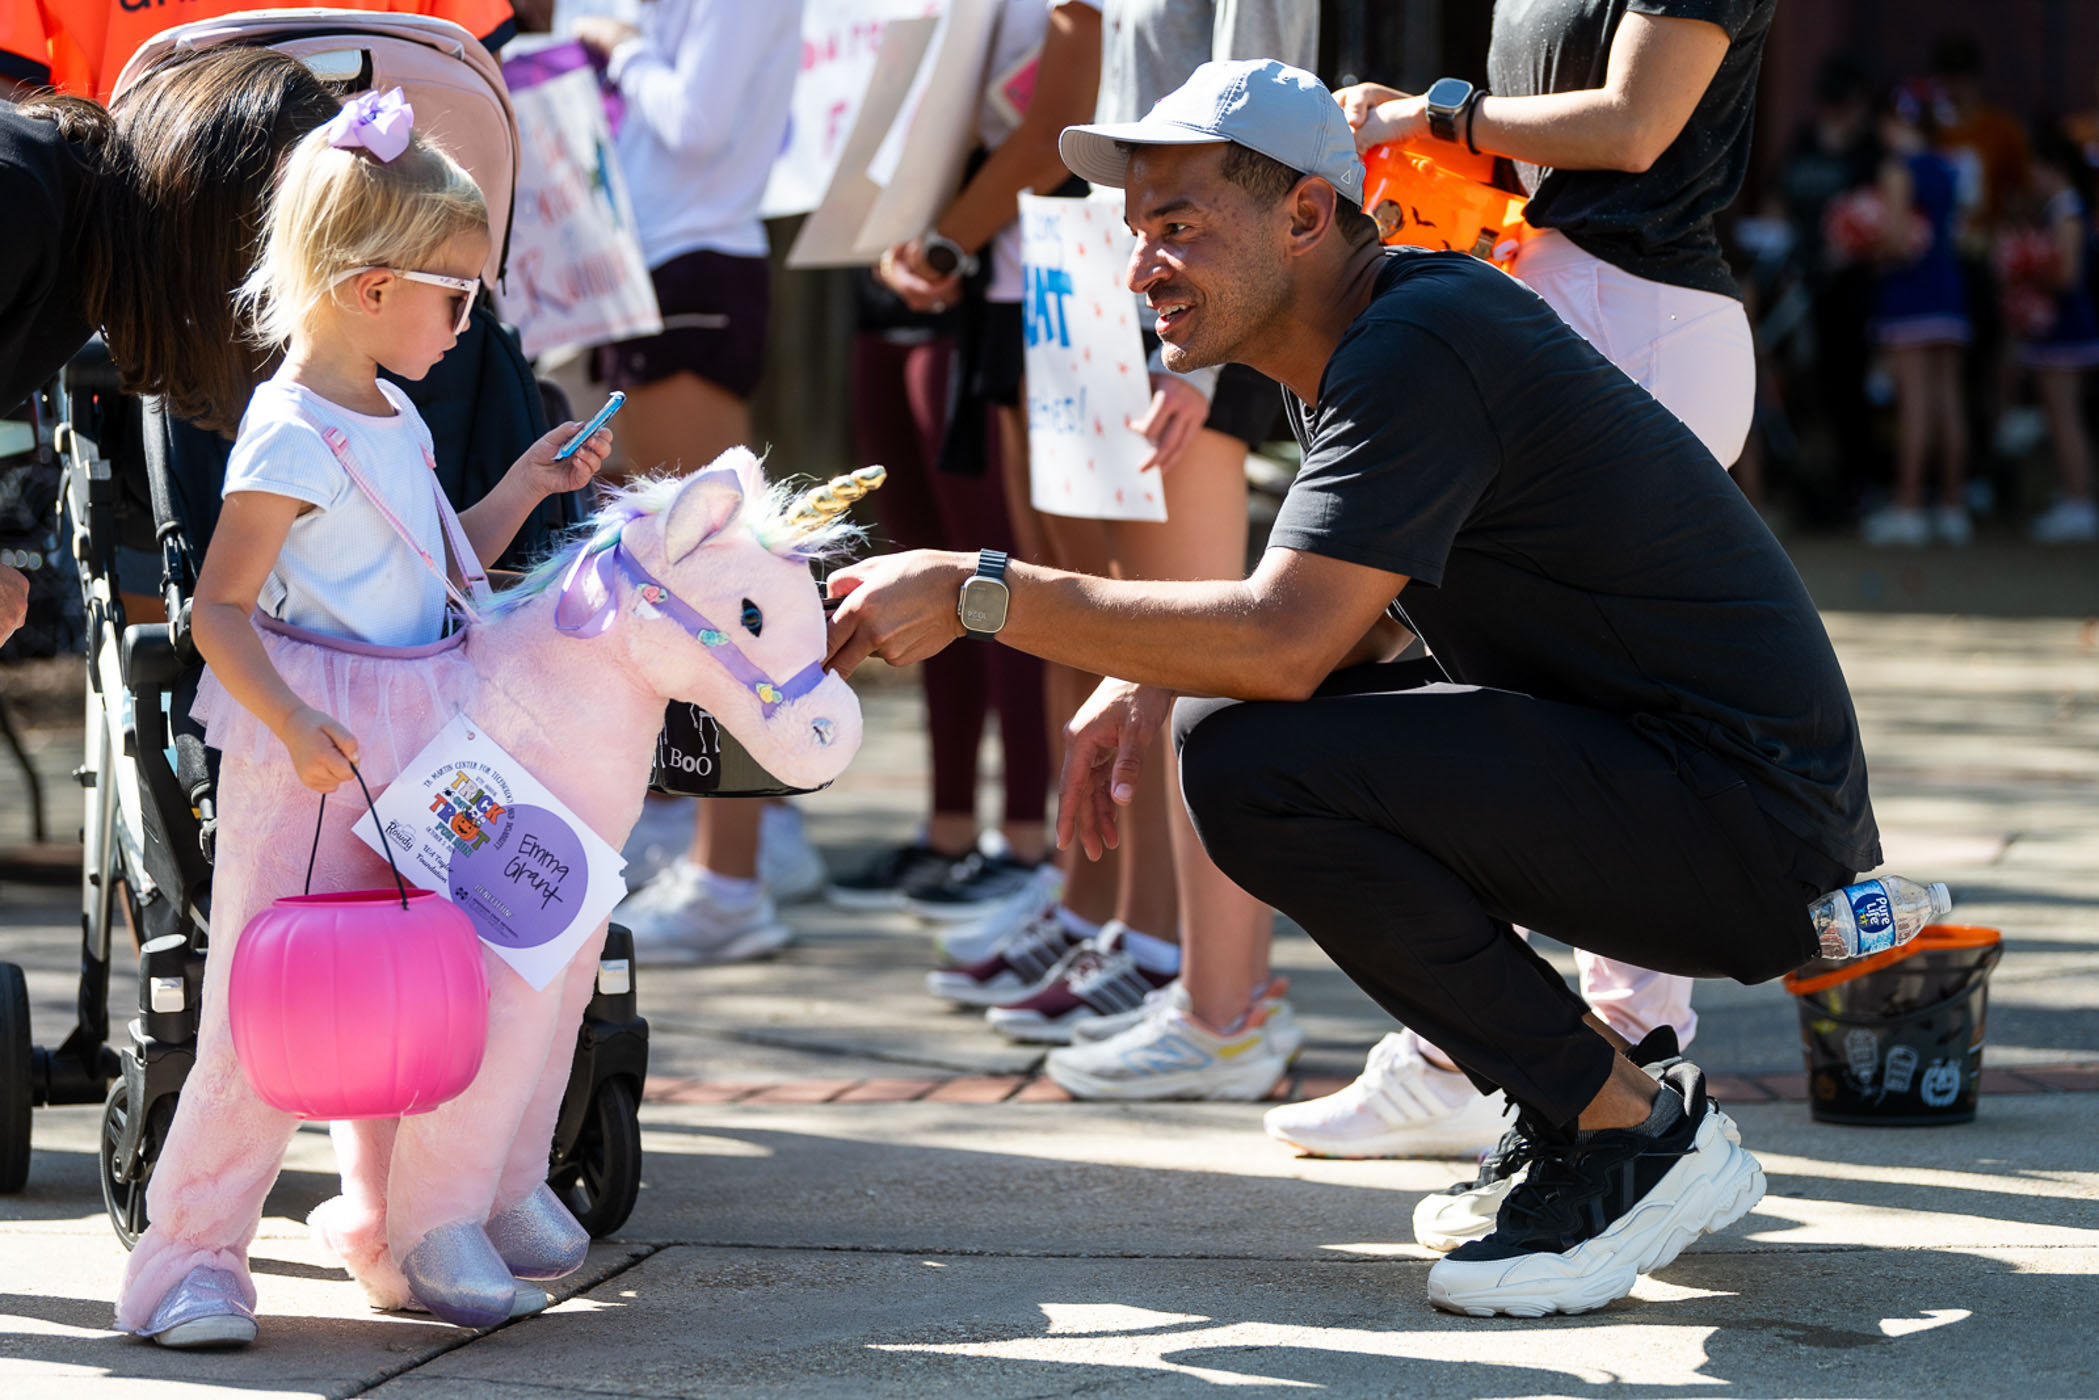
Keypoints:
pixel 79 46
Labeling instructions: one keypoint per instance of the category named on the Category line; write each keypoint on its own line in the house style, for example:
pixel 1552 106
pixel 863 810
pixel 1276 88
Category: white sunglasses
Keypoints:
pixel 467 288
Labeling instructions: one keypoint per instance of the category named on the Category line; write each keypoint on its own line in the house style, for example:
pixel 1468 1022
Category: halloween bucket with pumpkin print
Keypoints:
pixel 1895 1040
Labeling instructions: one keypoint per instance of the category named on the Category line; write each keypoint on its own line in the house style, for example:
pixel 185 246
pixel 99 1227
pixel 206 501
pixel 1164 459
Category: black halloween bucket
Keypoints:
pixel 1895 1040
pixel 696 757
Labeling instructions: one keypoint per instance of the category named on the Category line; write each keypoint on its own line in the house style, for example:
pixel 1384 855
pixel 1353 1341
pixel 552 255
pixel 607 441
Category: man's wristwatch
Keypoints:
pixel 945 256
pixel 982 606
pixel 1445 99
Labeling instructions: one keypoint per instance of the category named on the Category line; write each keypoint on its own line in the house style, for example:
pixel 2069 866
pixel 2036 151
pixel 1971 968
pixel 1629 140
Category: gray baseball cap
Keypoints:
pixel 1284 113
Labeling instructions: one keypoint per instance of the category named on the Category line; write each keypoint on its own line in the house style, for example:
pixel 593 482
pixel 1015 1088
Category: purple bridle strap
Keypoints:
pixel 609 562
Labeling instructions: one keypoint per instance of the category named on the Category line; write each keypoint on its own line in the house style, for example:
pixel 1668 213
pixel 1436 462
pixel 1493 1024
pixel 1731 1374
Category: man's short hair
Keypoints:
pixel 1268 180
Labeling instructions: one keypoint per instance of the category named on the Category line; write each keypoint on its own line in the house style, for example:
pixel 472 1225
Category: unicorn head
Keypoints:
pixel 707 578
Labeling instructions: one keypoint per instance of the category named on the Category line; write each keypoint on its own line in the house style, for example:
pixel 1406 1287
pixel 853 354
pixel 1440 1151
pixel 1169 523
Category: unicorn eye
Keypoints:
pixel 753 620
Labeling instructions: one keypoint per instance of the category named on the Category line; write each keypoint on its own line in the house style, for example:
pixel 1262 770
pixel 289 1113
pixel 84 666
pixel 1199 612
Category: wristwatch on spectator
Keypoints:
pixel 1446 99
pixel 945 256
pixel 982 606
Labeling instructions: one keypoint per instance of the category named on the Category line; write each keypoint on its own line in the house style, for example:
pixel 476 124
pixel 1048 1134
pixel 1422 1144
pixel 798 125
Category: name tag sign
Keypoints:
pixel 696 757
pixel 479 829
pixel 1086 372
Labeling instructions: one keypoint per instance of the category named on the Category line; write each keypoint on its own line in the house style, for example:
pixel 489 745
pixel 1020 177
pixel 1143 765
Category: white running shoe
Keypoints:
pixel 1950 525
pixel 675 920
pixel 661 835
pixel 963 945
pixel 1283 1028
pixel 789 866
pixel 1399 1106
pixel 1166 1055
pixel 1032 957
pixel 1895 526
pixel 2071 520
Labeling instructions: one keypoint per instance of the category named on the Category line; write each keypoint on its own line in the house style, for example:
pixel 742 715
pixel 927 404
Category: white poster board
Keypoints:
pixel 919 163
pixel 1085 364
pixel 840 42
pixel 576 272
pixel 830 236
pixel 466 820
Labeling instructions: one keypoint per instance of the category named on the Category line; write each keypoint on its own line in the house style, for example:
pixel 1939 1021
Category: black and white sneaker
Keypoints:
pixel 1445 1219
pixel 880 884
pixel 969 889
pixel 1594 1211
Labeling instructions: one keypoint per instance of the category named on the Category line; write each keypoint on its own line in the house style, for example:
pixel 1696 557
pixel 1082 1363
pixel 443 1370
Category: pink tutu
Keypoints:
pixel 394 699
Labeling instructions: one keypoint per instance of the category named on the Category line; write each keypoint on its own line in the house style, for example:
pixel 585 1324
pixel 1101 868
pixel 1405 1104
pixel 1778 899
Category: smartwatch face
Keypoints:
pixel 984 603
pixel 1447 93
pixel 940 257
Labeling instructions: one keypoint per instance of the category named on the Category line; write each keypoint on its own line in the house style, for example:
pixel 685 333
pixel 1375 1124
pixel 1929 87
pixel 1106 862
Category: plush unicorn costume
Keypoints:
pixel 696 590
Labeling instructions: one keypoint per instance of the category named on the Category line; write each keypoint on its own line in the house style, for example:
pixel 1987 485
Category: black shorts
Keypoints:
pixel 1245 405
pixel 715 306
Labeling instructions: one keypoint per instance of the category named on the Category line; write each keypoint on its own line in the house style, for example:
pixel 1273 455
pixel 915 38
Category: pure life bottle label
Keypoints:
pixel 1873 914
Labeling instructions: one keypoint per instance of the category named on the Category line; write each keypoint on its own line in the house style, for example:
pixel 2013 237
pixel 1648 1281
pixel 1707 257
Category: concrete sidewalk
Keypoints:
pixel 1023 1248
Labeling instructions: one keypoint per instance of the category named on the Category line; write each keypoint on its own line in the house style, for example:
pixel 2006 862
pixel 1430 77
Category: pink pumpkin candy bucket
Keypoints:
pixel 361 1003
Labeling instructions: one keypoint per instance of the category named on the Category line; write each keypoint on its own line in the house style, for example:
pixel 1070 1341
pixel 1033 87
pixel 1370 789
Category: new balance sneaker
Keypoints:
pixel 1445 1219
pixel 1271 999
pixel 1167 1055
pixel 880 883
pixel 969 889
pixel 676 919
pixel 1028 961
pixel 961 944
pixel 1399 1106
pixel 790 868
pixel 1596 1210
pixel 1100 979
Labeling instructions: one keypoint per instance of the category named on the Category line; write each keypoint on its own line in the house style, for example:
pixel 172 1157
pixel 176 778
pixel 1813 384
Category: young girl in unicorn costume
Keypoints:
pixel 334 537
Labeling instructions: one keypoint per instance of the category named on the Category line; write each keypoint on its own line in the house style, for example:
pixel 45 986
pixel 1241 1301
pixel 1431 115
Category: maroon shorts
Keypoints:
pixel 714 308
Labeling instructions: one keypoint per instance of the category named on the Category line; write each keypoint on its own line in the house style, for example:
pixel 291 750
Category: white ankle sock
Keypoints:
pixel 1152 954
pixel 1076 926
pixel 727 889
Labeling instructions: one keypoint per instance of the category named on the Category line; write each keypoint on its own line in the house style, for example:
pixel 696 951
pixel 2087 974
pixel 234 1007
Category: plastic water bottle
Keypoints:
pixel 1873 916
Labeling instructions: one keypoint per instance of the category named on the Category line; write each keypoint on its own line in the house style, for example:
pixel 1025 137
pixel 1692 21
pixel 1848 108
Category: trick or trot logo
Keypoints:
pixel 467 811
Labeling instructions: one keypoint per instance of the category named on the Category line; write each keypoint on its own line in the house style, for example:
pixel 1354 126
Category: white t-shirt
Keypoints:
pixel 343 570
pixel 1009 85
pixel 707 87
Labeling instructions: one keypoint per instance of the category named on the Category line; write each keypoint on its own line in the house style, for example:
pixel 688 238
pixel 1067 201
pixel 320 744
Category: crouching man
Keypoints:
pixel 1634 735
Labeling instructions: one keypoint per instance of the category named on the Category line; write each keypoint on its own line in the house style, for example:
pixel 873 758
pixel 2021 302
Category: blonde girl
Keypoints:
pixel 321 609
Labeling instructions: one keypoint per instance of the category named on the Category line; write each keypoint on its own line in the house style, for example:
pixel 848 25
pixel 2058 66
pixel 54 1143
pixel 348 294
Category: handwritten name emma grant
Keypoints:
pixel 538 869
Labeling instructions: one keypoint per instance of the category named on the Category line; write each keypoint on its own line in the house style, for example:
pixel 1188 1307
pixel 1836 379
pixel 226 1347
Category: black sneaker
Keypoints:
pixel 880 883
pixel 968 889
pixel 1445 1219
pixel 1596 1210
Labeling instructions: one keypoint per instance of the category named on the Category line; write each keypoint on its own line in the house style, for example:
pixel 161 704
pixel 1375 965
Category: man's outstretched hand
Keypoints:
pixel 900 607
pixel 1103 752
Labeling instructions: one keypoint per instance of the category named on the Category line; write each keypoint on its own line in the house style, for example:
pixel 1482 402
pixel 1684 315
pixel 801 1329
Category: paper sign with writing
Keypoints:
pixel 466 819
pixel 577 276
pixel 1085 362
pixel 840 39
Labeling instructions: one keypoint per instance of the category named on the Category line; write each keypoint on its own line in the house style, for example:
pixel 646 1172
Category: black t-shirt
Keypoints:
pixel 43 188
pixel 1657 224
pixel 1567 537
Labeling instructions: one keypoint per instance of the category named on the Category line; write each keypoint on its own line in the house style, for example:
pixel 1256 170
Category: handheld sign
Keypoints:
pixel 1086 376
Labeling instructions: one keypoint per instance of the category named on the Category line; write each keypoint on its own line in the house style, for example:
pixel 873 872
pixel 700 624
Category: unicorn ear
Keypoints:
pixel 702 509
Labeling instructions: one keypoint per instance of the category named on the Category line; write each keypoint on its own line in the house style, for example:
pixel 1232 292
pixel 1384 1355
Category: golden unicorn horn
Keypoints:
pixel 820 504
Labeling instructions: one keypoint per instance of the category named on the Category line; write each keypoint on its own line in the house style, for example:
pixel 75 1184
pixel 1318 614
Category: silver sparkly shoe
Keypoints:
pixel 538 1238
pixel 205 1310
pixel 456 1273
pixel 529 1300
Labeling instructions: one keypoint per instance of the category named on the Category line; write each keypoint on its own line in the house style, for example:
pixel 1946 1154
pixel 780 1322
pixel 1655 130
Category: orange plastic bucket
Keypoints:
pixel 1896 1039
pixel 1421 203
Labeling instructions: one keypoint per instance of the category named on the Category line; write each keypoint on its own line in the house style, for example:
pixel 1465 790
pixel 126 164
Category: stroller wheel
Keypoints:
pixel 125 1200
pixel 600 1178
pixel 17 1063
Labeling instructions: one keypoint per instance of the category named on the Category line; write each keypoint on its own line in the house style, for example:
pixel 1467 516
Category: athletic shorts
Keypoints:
pixel 715 307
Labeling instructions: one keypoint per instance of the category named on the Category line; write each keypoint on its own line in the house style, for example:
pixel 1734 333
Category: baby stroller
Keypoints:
pixel 150 808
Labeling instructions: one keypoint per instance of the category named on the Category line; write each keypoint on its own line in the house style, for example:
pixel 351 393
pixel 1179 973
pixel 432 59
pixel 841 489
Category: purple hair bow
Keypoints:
pixel 379 122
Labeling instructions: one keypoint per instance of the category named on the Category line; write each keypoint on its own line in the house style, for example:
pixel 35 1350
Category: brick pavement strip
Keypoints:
pixel 1012 1088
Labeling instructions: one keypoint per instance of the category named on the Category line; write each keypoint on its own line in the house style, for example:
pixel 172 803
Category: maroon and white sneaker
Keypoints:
pixel 1102 979
pixel 1027 962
